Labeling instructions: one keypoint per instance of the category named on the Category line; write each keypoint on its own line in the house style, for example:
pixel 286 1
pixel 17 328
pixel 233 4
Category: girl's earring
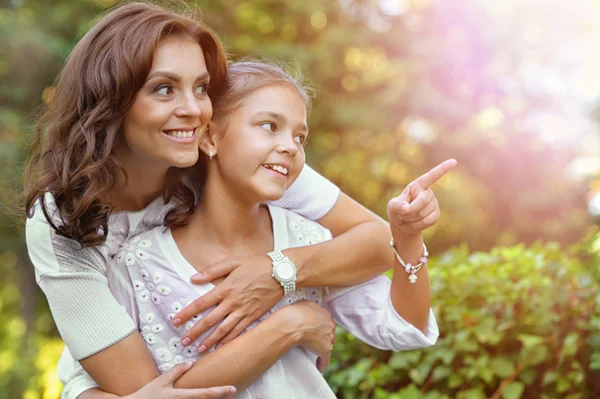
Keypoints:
pixel 210 154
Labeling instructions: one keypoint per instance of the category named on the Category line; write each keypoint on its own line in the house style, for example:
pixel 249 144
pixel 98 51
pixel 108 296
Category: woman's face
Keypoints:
pixel 172 109
pixel 261 152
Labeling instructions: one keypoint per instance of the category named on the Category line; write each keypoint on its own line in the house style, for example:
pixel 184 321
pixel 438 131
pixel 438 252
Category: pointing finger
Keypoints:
pixel 436 173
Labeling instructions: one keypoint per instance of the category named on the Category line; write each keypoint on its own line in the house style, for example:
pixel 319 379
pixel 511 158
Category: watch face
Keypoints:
pixel 285 271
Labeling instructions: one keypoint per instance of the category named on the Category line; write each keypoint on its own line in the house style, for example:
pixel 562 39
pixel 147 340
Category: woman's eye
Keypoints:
pixel 164 90
pixel 270 126
pixel 202 89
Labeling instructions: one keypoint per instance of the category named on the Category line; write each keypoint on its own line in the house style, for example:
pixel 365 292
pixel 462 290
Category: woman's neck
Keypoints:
pixel 145 182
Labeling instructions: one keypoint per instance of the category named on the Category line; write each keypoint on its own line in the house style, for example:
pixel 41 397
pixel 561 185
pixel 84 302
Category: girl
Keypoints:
pixel 254 152
pixel 105 168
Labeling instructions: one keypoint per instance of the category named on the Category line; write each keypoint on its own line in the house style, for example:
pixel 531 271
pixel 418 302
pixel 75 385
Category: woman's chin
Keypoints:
pixel 184 161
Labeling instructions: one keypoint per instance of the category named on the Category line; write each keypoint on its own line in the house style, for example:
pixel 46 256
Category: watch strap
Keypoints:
pixel 288 286
pixel 276 256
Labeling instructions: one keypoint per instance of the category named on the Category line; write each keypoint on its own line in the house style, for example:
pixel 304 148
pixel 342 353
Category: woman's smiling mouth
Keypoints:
pixel 183 135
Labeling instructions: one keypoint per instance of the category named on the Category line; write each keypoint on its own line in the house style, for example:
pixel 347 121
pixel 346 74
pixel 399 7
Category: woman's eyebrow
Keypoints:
pixel 175 77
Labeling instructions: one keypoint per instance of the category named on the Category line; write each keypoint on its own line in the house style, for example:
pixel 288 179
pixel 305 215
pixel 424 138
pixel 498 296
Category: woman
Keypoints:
pixel 90 185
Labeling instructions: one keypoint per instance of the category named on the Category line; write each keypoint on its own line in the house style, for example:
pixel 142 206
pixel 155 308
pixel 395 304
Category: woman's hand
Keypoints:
pixel 247 293
pixel 314 325
pixel 162 387
pixel 417 209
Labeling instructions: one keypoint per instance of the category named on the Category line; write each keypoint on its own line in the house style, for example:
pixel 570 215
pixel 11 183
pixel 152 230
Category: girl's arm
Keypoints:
pixel 367 311
pixel 126 367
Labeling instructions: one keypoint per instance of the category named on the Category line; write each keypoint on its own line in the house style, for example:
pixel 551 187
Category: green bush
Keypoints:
pixel 515 323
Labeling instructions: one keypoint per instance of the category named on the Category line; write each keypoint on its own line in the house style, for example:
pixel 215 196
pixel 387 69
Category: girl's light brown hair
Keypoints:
pixel 73 155
pixel 244 77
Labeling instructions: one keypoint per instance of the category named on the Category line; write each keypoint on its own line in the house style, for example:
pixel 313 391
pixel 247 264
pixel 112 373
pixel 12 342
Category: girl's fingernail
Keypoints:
pixel 197 275
pixel 177 321
pixel 186 341
pixel 189 362
pixel 219 345
pixel 201 348
pixel 405 208
pixel 233 390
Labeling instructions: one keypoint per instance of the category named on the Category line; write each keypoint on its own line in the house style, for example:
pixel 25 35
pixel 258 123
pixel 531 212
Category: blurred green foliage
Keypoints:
pixel 398 92
pixel 515 322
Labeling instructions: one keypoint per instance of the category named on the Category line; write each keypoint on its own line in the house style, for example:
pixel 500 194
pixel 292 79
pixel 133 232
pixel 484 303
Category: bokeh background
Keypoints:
pixel 509 88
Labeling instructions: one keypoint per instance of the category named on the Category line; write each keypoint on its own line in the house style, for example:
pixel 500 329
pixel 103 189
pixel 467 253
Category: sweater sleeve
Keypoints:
pixel 86 313
pixel 311 195
pixel 367 311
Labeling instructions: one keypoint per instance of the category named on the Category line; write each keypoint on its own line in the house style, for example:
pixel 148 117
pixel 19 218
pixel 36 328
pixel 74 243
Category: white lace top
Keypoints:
pixel 161 285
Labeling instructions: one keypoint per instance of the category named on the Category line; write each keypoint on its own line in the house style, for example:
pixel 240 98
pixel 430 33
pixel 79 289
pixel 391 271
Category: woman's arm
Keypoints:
pixel 358 253
pixel 162 387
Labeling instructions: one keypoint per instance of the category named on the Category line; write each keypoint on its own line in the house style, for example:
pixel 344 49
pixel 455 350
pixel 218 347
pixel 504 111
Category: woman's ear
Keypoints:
pixel 210 139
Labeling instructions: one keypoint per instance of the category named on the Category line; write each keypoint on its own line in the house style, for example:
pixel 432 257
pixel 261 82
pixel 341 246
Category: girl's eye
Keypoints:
pixel 300 139
pixel 202 89
pixel 164 90
pixel 270 126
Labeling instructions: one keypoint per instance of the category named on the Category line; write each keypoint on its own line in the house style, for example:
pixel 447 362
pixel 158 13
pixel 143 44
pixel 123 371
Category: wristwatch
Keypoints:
pixel 284 271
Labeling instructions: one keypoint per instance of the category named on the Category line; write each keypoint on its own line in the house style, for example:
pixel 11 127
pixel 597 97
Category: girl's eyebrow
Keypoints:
pixel 174 76
pixel 277 116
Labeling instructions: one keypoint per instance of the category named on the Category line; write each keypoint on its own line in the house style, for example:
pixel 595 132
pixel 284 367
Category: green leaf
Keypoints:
pixel 440 372
pixel 454 381
pixel 570 345
pixel 513 390
pixel 562 384
pixel 549 378
pixel 595 361
pixel 410 392
pixel 530 341
pixel 537 355
pixel 503 368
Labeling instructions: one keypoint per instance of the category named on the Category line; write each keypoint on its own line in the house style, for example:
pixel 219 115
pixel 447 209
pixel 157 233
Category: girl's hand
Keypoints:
pixel 417 209
pixel 247 293
pixel 314 326
pixel 162 387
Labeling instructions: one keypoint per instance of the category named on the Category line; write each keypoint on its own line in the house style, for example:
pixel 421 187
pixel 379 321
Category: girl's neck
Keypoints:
pixel 226 220
pixel 145 182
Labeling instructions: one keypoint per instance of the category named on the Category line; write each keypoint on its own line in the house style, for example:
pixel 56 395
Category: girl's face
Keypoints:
pixel 261 151
pixel 172 109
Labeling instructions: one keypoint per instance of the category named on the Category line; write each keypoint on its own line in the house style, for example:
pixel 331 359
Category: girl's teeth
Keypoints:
pixel 279 169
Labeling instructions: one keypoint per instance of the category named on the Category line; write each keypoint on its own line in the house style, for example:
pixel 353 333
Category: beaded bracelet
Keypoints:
pixel 411 269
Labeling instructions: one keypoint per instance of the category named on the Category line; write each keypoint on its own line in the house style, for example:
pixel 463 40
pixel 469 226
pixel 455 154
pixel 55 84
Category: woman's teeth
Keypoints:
pixel 277 168
pixel 180 133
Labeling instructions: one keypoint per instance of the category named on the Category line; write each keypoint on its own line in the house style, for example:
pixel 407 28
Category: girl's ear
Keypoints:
pixel 210 139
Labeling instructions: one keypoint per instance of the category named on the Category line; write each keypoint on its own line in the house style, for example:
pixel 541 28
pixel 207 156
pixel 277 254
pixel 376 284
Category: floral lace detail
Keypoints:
pixel 306 232
pixel 133 251
pixel 148 329
pixel 146 288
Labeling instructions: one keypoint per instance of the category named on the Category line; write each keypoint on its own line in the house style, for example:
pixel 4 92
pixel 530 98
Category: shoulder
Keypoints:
pixel 300 230
pixel 311 195
pixel 52 253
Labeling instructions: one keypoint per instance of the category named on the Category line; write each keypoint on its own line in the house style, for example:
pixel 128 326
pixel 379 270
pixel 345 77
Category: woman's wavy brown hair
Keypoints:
pixel 76 136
